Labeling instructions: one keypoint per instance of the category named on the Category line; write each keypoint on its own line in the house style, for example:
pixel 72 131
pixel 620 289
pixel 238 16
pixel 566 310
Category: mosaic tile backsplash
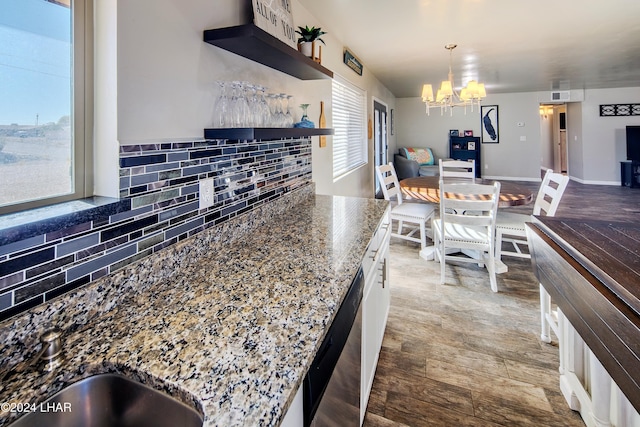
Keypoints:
pixel 161 183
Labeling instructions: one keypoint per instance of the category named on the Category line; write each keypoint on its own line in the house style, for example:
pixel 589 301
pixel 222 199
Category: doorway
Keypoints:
pixel 380 139
pixel 553 137
pixel 560 152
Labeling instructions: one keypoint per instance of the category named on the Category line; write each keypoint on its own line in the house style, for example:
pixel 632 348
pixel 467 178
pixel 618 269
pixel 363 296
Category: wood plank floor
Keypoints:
pixel 460 355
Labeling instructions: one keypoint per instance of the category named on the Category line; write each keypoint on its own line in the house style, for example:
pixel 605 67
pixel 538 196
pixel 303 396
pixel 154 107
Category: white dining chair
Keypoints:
pixel 510 226
pixel 462 231
pixel 418 214
pixel 458 168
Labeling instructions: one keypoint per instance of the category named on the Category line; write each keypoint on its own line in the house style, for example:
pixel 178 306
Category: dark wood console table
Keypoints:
pixel 591 270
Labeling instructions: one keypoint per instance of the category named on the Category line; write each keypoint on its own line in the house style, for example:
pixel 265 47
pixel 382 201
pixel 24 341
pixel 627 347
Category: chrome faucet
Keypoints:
pixel 50 353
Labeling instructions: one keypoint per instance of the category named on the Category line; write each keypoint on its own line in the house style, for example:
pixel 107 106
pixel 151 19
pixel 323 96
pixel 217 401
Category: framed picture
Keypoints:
pixel 471 145
pixel 468 133
pixel 454 132
pixel 489 124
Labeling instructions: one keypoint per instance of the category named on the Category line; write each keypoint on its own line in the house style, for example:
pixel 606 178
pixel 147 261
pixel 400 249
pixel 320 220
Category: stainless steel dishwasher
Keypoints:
pixel 332 385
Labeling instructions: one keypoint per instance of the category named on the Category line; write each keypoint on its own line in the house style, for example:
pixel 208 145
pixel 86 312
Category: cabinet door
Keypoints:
pixel 375 311
pixel 370 341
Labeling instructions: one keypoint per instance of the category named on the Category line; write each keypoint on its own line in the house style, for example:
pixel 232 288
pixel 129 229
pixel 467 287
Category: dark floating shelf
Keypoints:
pixel 257 45
pixel 251 134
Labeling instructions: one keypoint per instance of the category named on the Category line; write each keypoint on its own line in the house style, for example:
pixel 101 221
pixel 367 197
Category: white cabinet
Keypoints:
pixel 295 415
pixel 375 307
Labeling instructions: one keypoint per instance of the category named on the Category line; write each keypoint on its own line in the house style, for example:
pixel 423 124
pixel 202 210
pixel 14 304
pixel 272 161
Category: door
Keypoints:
pixel 380 140
pixel 560 138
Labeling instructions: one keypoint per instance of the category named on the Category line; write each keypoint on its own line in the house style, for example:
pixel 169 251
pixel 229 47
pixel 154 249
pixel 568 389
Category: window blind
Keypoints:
pixel 349 141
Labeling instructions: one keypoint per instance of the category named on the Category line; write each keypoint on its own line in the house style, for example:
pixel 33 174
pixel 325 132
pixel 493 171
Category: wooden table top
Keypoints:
pixel 427 188
pixel 591 269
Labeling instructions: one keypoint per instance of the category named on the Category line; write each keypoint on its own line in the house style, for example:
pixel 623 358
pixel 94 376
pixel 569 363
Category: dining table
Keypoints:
pixel 427 188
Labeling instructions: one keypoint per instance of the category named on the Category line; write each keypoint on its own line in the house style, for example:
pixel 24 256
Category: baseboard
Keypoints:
pixel 590 182
pixel 512 178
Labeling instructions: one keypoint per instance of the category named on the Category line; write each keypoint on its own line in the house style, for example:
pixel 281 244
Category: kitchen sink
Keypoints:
pixel 110 400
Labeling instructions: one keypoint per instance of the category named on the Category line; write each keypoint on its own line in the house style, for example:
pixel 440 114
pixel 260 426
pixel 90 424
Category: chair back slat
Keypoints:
pixel 389 182
pixel 458 168
pixel 550 193
pixel 467 221
pixel 469 204
pixel 463 219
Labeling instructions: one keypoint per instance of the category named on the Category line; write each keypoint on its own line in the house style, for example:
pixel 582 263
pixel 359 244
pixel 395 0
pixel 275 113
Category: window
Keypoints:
pixel 42 120
pixel 349 140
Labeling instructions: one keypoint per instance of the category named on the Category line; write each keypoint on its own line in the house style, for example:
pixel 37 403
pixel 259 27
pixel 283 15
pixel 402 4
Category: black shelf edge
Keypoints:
pixel 251 134
pixel 255 44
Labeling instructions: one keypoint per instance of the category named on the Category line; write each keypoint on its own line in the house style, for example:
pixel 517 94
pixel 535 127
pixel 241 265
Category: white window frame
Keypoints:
pixel 348 115
pixel 82 110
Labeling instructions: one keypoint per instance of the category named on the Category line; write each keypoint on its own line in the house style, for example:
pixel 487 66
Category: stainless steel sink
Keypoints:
pixel 110 400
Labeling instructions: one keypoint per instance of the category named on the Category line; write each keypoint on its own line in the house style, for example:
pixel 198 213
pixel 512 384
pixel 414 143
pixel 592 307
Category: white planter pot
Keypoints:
pixel 306 48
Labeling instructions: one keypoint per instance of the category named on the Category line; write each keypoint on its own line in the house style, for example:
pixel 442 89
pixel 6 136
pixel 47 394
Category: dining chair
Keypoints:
pixel 510 226
pixel 418 214
pixel 458 168
pixel 459 230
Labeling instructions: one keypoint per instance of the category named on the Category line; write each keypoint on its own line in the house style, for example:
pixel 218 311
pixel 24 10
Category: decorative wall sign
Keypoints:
pixel 274 16
pixel 613 110
pixel 352 62
pixel 489 124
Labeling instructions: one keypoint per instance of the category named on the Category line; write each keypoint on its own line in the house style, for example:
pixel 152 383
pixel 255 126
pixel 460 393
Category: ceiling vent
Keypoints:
pixel 560 96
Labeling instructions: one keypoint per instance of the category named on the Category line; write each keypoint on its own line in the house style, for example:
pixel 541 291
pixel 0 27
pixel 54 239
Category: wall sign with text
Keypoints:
pixel 274 16
pixel 352 62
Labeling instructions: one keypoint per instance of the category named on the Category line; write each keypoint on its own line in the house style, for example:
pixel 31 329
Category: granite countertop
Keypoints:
pixel 228 325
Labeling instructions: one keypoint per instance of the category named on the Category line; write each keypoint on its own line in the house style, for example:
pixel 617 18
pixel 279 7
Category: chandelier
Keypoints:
pixel 447 98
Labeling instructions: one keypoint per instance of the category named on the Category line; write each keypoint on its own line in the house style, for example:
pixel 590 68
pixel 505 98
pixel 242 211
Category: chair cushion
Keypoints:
pixel 424 156
pixel 416 211
pixel 512 221
pixel 466 233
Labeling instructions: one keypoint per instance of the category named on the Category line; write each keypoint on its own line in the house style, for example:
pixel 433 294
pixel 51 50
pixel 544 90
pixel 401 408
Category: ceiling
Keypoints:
pixel 510 45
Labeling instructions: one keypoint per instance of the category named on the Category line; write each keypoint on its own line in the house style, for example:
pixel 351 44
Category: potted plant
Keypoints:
pixel 308 36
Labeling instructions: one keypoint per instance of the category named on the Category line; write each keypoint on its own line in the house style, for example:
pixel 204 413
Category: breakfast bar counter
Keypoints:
pixel 226 321
pixel 590 268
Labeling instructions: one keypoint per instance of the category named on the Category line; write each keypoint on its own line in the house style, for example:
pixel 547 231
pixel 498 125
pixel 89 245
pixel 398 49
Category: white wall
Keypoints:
pixel 575 146
pixel 511 158
pixel 105 98
pixel 360 182
pixel 167 74
pixel 596 145
pixel 604 138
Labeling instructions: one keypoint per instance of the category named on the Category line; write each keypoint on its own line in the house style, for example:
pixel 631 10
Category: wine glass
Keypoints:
pixel 221 107
pixel 255 116
pixel 265 112
pixel 288 116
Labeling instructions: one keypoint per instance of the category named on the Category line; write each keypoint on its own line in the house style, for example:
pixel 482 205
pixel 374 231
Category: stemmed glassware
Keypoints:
pixel 244 104
pixel 237 104
pixel 265 113
pixel 281 119
pixel 255 113
pixel 288 116
pixel 221 110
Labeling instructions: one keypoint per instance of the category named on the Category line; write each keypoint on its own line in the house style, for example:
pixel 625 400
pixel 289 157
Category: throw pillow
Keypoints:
pixel 423 156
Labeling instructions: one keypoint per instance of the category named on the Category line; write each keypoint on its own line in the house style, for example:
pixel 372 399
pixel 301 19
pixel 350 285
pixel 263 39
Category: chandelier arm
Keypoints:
pixel 451 97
